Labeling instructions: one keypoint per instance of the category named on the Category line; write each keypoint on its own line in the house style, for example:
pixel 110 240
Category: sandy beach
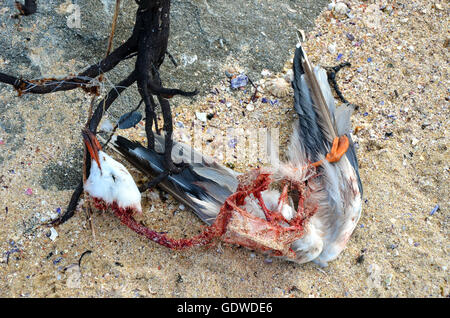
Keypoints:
pixel 398 78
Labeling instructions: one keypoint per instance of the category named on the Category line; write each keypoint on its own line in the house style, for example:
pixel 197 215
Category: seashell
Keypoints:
pixel 278 87
pixel 266 72
pixel 332 48
pixel 289 76
pixel 341 8
pixel 234 69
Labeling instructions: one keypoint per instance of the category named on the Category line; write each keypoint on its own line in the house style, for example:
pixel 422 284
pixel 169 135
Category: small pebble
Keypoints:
pixel 435 209
pixel 332 48
pixel 53 234
pixel 250 107
pixel 268 260
pixel 341 8
pixel 230 165
pixel 273 102
pixel 57 260
pixel 388 9
pixel 201 116
pixel 228 74
pixel 266 73
pixel 232 143
pixel 28 191
pixel 360 259
pixel 388 280
pixel 106 125
pixel 239 81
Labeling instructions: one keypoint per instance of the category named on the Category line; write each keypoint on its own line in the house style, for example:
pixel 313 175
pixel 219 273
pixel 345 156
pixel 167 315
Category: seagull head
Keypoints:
pixel 109 183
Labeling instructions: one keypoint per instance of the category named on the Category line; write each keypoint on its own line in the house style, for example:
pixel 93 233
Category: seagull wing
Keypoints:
pixel 203 186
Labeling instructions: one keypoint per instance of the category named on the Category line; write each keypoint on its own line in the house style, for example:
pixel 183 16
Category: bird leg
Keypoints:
pixel 338 149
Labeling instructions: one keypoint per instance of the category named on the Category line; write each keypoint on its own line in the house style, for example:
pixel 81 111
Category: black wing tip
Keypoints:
pixel 125 143
pixel 297 65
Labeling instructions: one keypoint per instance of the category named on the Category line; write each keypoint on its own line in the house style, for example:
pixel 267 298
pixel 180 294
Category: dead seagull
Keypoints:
pixel 304 209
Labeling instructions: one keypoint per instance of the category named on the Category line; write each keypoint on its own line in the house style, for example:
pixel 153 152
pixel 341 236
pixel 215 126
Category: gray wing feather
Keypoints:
pixel 203 187
pixel 322 79
pixel 309 132
pixel 319 119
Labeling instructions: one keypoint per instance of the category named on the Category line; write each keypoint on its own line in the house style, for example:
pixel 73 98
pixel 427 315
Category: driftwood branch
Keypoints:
pixel 28 8
pixel 82 80
pixel 148 42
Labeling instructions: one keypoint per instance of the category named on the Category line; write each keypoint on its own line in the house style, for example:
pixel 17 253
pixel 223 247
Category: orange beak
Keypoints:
pixel 92 145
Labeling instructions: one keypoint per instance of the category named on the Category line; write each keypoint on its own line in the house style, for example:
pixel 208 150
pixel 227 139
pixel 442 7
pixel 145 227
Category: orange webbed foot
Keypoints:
pixel 338 149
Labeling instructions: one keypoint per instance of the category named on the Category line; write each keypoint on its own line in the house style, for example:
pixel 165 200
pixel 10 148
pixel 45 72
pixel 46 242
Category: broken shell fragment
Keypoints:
pixel 278 87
